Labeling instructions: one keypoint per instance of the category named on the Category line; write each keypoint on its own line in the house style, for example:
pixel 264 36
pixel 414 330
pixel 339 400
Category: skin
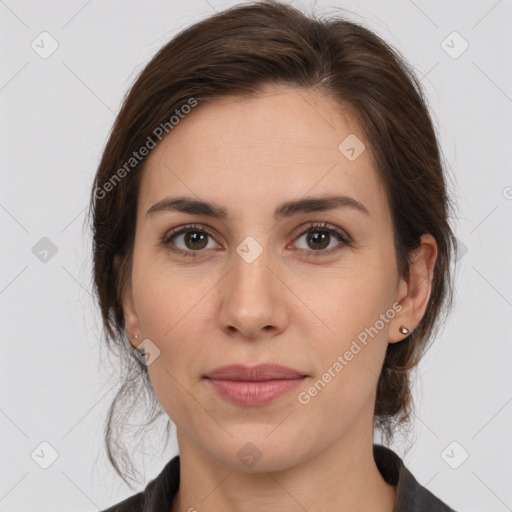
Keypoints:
pixel 250 155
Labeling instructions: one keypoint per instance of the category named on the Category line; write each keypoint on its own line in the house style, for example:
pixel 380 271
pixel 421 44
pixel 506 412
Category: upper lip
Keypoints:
pixel 257 373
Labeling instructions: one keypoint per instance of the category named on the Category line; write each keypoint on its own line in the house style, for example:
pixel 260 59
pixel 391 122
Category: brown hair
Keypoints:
pixel 235 53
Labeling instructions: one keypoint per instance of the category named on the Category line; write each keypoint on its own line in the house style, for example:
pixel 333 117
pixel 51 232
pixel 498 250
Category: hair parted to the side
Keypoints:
pixel 237 52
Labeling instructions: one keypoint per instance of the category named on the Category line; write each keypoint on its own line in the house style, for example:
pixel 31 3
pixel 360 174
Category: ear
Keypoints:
pixel 414 293
pixel 131 319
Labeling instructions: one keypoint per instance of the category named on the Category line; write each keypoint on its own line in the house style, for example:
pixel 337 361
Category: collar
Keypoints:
pixel 410 495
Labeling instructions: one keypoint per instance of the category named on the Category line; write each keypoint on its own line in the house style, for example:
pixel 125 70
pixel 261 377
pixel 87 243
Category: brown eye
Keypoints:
pixel 188 241
pixel 192 240
pixel 318 240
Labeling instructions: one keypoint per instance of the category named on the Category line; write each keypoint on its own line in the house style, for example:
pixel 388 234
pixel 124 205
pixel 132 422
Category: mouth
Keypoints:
pixel 253 386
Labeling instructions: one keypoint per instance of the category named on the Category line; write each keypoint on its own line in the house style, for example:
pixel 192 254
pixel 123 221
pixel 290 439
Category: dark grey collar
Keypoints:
pixel 410 495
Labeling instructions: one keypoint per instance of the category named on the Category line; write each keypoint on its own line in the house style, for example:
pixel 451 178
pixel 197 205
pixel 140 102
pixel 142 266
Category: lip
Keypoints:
pixel 254 386
pixel 258 373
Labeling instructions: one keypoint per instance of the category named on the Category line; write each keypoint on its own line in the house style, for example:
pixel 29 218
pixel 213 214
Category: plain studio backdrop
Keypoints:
pixel 65 68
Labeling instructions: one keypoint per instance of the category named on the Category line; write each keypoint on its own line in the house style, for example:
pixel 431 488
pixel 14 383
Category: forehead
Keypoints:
pixel 282 144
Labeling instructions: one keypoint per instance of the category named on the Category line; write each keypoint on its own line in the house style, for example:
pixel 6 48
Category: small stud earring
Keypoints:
pixel 135 336
pixel 403 330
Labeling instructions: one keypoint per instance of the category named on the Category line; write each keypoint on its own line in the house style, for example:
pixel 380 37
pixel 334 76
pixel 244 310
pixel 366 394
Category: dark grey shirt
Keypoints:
pixel 410 495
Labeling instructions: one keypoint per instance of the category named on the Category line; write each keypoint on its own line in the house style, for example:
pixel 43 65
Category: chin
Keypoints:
pixel 257 453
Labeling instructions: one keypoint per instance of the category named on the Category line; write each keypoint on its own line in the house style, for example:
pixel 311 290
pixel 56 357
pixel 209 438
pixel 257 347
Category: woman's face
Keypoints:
pixel 254 287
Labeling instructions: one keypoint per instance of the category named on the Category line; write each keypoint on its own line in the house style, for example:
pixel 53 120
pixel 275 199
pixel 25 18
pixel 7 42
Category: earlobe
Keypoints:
pixel 414 293
pixel 131 320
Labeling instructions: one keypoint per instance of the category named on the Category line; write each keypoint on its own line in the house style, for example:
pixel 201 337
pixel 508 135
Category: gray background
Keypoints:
pixel 57 381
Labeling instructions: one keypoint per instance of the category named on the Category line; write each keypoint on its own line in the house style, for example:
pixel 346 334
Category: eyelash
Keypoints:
pixel 313 226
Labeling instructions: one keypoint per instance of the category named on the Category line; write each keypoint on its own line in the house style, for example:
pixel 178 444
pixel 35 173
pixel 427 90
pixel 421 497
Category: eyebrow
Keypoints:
pixel 288 209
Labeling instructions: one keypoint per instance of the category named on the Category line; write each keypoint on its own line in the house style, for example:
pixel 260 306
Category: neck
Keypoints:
pixel 343 476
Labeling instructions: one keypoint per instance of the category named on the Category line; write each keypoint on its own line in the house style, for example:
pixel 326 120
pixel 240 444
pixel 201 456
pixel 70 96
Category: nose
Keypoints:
pixel 252 299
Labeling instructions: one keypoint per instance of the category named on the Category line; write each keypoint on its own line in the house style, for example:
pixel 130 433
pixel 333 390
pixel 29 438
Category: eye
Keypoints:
pixel 194 239
pixel 319 237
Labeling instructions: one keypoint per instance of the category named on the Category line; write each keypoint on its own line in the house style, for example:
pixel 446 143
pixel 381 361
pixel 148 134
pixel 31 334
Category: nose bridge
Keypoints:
pixel 249 302
pixel 251 276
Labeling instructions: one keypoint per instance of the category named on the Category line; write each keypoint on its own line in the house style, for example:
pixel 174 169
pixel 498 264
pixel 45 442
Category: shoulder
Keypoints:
pixel 158 494
pixel 411 496
pixel 131 504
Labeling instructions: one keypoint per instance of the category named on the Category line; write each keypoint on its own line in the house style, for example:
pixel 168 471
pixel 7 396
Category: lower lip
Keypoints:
pixel 250 393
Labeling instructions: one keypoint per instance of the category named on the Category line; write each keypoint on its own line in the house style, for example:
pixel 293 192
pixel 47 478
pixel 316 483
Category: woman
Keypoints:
pixel 271 237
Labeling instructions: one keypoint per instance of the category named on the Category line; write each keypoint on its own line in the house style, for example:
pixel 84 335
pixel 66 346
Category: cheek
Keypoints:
pixel 165 297
pixel 353 300
pixel 357 307
pixel 171 315
pixel 349 366
pixel 169 324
